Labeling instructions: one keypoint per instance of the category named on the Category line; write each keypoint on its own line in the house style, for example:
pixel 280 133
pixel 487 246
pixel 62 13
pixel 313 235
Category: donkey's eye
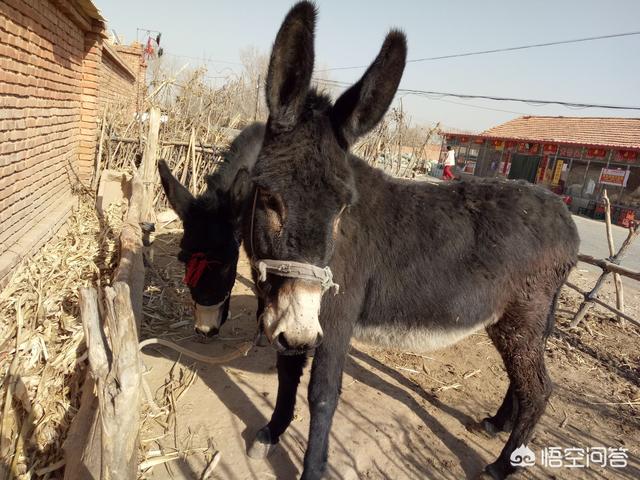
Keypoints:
pixel 275 209
pixel 336 221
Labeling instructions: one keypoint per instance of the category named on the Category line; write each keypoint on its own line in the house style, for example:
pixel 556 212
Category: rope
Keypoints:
pixel 241 351
pixel 289 268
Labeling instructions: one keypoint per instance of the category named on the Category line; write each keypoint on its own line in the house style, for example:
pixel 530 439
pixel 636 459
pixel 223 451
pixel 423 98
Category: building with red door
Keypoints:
pixel 576 157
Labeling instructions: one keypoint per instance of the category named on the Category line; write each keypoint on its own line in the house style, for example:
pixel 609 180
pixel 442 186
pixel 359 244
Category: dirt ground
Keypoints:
pixel 400 415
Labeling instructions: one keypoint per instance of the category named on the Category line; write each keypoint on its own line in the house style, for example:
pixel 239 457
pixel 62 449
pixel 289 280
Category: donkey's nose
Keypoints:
pixel 280 343
pixel 283 346
pixel 207 332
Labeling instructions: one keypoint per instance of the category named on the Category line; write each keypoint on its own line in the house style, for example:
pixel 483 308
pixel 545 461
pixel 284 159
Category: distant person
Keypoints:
pixel 449 163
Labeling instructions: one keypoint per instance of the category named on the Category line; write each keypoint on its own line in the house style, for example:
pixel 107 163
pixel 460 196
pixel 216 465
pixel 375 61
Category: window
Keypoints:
pixel 575 178
pixel 461 150
pixel 592 189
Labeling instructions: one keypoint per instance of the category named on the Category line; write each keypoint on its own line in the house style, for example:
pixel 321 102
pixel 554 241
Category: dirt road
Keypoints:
pixel 400 415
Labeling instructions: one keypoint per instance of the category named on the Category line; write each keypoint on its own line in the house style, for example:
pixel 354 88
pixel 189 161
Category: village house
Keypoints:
pixel 576 157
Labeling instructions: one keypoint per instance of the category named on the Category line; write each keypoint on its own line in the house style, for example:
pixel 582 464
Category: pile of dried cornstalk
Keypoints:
pixel 42 350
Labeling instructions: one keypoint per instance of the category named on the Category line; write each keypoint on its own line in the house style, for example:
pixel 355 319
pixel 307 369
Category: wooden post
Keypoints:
pixel 616 277
pixel 120 395
pixel 104 435
pixel 103 438
pixel 149 166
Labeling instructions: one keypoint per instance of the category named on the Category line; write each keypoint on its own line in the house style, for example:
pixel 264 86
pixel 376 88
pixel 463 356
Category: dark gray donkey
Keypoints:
pixel 419 266
pixel 210 244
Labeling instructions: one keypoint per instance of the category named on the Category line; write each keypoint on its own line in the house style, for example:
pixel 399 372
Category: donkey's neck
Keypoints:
pixel 377 189
pixel 400 206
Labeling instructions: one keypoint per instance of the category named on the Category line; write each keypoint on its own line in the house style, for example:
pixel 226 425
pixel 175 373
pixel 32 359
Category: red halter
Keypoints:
pixel 195 268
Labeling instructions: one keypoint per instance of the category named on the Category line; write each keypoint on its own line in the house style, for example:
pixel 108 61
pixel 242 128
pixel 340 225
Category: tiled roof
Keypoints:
pixel 610 132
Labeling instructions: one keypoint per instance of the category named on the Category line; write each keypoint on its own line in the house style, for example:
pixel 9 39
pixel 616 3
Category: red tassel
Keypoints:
pixel 195 268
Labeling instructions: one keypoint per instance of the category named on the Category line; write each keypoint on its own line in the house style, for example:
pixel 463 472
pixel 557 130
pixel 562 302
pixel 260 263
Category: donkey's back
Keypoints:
pixel 445 260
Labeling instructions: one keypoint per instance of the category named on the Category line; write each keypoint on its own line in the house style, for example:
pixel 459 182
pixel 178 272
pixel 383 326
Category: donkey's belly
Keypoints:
pixel 415 339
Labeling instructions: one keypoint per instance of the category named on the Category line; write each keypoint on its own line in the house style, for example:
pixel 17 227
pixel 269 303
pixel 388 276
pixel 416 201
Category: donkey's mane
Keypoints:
pixel 241 154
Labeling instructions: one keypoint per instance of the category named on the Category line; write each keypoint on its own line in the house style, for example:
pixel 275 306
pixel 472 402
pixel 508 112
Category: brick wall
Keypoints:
pixel 50 78
pixel 119 73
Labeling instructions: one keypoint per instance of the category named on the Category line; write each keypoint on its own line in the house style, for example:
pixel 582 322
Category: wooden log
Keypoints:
pixel 104 435
pixel 130 269
pixel 102 442
pixel 149 166
pixel 120 393
pixel 83 446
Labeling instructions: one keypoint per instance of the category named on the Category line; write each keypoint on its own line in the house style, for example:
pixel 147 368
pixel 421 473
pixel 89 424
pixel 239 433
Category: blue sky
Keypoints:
pixel 351 32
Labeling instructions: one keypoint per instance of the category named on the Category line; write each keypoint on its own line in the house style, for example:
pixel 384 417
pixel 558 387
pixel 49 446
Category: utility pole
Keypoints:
pixel 255 112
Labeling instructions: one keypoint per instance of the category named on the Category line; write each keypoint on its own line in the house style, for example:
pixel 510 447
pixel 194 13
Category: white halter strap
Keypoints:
pixel 303 271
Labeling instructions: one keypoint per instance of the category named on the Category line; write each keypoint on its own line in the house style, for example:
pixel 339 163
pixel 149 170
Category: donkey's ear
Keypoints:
pixel 360 108
pixel 179 197
pixel 240 190
pixel 290 67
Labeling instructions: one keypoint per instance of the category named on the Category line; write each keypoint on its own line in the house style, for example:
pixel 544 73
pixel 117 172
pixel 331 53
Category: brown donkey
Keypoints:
pixel 419 266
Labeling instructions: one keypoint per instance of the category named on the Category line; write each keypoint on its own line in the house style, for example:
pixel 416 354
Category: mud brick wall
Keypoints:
pixel 51 85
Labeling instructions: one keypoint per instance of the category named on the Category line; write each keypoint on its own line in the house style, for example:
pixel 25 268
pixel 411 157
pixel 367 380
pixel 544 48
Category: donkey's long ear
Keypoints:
pixel 361 107
pixel 290 67
pixel 239 192
pixel 179 197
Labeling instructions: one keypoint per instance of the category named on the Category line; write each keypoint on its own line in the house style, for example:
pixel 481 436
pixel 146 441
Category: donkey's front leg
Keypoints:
pixel 324 390
pixel 289 372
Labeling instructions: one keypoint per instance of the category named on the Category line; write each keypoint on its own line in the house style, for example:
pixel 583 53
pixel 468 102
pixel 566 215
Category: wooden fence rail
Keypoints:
pixel 610 266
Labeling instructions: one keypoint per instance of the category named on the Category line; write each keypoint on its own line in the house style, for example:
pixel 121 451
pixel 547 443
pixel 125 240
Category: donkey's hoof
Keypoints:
pixel 484 476
pixel 262 445
pixel 495 472
pixel 489 428
pixel 484 428
pixel 262 340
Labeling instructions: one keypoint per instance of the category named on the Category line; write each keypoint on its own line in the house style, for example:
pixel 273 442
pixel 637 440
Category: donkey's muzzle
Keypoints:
pixel 291 320
pixel 282 346
pixel 209 318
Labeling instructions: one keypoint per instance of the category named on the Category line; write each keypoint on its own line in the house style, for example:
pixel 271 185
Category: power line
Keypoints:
pixel 498 50
pixel 532 102
pixel 202 59
pixel 477 106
